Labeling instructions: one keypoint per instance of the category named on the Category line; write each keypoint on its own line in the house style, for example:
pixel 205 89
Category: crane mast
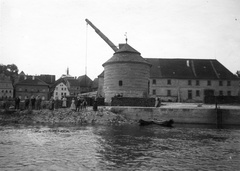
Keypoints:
pixel 102 36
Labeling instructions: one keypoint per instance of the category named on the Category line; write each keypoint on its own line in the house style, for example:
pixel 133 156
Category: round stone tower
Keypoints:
pixel 126 73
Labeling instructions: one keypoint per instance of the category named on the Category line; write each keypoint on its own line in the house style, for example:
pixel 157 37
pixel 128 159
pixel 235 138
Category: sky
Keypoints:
pixel 49 36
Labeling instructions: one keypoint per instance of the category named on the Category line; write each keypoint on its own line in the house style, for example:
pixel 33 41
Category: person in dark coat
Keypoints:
pixel 17 102
pixel 33 100
pixel 38 103
pixel 27 101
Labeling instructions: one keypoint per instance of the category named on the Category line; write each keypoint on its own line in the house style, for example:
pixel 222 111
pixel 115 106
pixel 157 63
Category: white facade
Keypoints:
pixel 60 91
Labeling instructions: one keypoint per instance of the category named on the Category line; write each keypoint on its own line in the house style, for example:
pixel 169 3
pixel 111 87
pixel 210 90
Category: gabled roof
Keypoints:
pixel 188 69
pixel 32 81
pixel 126 54
pixel 73 82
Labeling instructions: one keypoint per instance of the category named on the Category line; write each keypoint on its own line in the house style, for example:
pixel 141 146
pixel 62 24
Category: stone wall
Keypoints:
pixel 131 101
pixel 189 116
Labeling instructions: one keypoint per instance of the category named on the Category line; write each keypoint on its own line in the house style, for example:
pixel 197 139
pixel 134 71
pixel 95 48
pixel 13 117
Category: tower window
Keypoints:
pixel 120 83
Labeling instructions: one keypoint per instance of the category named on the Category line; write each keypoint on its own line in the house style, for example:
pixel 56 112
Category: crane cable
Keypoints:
pixel 86 53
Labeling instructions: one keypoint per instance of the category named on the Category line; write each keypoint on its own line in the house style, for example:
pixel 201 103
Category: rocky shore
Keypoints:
pixel 63 116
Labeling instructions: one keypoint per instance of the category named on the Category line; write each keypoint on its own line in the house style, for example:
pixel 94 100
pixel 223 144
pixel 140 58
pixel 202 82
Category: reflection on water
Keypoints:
pixel 127 147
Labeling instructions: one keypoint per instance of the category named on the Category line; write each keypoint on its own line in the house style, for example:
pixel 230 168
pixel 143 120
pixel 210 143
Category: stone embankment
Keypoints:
pixel 46 116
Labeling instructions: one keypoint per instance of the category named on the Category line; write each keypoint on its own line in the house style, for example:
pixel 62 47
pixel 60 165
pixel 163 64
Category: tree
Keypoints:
pixel 10 70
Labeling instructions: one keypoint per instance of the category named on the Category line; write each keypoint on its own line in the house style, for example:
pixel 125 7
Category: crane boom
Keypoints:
pixel 102 36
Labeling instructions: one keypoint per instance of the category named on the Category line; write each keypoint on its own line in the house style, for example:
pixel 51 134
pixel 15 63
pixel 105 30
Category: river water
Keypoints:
pixel 126 147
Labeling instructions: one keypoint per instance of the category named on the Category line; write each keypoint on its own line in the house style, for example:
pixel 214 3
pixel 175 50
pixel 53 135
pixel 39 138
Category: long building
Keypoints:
pixel 190 80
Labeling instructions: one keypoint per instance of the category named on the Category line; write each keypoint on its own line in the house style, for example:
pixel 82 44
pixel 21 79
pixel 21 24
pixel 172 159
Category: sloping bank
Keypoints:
pixel 102 116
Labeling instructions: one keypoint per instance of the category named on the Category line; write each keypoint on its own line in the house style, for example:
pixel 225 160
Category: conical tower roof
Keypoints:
pixel 126 54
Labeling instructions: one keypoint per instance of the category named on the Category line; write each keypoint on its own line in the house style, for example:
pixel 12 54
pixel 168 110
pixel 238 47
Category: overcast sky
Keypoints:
pixel 47 36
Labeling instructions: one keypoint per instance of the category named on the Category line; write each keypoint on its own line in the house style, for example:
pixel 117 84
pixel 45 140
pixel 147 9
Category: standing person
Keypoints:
pixel 33 100
pixel 64 102
pixel 51 103
pixel 56 102
pixel 17 102
pixel 78 104
pixel 73 106
pixel 157 102
pixel 27 101
pixel 38 103
pixel 84 103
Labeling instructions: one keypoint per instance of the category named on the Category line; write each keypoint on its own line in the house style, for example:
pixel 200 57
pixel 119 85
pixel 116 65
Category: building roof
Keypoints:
pixel 188 69
pixel 95 83
pixel 33 81
pixel 73 82
pixel 85 81
pixel 126 54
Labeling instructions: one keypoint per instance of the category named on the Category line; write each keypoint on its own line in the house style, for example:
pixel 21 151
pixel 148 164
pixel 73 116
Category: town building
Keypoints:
pixel 31 86
pixel 6 87
pixel 190 80
pixel 60 91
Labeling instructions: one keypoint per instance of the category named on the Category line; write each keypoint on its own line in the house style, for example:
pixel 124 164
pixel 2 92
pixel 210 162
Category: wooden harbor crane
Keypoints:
pixel 114 48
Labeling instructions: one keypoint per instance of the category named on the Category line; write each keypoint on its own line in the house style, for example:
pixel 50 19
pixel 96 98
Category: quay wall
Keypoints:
pixel 180 115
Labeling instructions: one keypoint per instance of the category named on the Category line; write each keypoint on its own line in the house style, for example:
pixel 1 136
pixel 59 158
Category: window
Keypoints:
pixel 220 83
pixel 25 90
pixel 56 93
pixel 189 94
pixel 153 81
pixel 169 82
pixel 220 93
pixel 56 88
pixel 228 83
pixel 120 83
pixel 197 93
pixel 189 82
pixel 168 92
pixel 209 83
pixel 6 91
pixel 154 92
pixel 197 83
pixel 229 93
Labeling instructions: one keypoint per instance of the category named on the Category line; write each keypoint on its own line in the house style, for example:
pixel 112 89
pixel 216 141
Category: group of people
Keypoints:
pixel 29 103
pixel 79 104
pixel 76 105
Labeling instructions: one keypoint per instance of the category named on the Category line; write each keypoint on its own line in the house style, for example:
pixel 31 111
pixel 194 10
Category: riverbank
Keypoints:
pixel 182 113
pixel 62 115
